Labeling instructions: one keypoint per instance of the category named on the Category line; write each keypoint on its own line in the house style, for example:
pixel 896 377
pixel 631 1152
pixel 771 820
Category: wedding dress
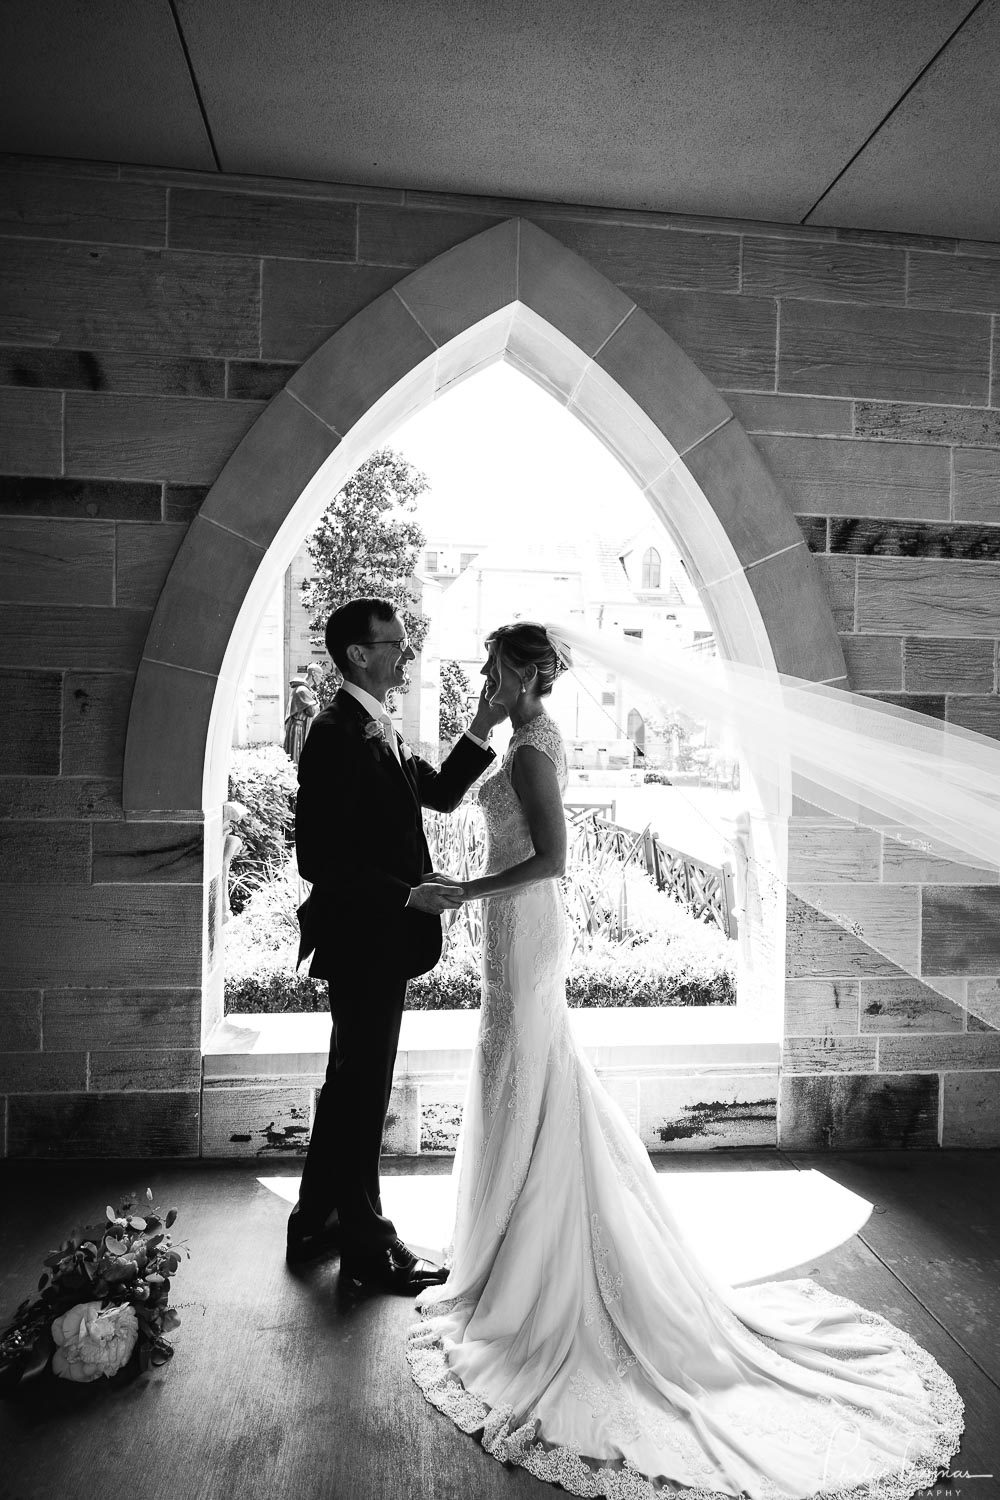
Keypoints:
pixel 578 1332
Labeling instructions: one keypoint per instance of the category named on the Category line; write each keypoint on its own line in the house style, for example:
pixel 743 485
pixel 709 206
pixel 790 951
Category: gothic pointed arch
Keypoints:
pixel 514 293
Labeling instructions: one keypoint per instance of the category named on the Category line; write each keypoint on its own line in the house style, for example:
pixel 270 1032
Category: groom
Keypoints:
pixel 372 921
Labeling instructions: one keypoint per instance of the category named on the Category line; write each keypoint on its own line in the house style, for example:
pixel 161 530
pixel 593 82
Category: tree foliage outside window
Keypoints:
pixel 367 544
pixel 455 691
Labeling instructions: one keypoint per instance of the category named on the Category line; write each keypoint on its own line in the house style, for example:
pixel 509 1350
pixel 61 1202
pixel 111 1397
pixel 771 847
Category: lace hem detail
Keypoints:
pixel 621 1481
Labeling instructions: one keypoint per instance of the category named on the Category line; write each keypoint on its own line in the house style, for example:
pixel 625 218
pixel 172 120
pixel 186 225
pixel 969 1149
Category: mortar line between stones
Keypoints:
pixel 312 413
pixel 62 718
pixel 683 452
pixel 517 259
pixel 989 377
pixel 403 303
pixel 857 580
pixel 619 325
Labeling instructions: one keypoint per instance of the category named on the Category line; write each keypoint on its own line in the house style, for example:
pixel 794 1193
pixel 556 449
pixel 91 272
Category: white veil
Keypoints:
pixel 921 783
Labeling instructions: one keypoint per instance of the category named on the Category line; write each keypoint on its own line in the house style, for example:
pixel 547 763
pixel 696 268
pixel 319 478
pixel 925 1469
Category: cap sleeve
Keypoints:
pixel 542 734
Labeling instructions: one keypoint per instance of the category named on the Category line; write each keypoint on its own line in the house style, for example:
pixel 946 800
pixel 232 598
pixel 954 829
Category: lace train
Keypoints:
pixel 620 1481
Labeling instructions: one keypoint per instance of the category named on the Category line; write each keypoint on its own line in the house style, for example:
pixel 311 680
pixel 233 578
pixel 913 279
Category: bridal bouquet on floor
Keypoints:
pixel 104 1295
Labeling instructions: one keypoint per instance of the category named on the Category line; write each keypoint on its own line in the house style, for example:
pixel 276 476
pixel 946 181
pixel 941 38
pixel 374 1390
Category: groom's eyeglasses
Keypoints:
pixel 402 642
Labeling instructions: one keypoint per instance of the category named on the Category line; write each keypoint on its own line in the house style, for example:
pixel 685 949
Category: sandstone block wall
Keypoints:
pixel 146 318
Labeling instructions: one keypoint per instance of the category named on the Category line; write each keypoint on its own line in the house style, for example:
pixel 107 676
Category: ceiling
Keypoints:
pixel 869 114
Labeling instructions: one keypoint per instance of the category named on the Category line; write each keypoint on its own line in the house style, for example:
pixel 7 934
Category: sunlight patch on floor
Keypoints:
pixel 744 1225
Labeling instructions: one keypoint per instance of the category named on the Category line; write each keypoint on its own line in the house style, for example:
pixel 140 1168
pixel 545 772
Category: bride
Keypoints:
pixel 577 1332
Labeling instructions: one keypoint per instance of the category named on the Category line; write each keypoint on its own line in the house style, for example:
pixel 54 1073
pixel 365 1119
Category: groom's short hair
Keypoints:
pixel 353 622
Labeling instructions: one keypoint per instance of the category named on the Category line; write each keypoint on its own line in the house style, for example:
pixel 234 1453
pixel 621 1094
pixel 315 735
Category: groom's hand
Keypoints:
pixel 436 893
pixel 488 715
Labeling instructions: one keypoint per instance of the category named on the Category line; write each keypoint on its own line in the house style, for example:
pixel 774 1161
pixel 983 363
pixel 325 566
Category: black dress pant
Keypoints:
pixel 341 1166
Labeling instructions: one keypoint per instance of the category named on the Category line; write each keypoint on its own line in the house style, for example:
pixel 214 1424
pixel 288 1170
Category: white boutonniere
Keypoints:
pixel 374 737
pixel 405 752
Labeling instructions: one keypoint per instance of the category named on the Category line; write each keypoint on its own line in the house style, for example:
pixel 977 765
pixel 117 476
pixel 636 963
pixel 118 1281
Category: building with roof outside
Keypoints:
pixel 636 588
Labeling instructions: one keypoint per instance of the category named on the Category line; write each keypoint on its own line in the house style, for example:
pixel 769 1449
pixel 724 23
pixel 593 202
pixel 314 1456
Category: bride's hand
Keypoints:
pixel 436 893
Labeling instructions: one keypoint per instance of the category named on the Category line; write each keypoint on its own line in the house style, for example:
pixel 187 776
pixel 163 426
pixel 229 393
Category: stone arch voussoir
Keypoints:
pixel 512 292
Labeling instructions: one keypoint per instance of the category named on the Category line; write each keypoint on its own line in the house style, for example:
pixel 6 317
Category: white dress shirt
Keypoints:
pixel 377 711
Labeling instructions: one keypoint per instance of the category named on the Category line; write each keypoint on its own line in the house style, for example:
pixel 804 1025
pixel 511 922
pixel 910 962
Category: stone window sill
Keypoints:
pixel 431 1043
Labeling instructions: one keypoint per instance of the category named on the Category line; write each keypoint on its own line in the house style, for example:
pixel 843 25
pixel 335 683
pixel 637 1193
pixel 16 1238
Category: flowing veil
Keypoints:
pixel 835 755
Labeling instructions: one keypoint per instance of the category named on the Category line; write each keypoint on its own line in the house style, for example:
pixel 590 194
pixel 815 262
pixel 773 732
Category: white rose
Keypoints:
pixel 91 1341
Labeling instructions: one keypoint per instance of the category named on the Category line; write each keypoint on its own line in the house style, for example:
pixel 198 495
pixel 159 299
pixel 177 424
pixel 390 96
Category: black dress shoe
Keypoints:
pixel 405 1259
pixel 306 1242
pixel 380 1273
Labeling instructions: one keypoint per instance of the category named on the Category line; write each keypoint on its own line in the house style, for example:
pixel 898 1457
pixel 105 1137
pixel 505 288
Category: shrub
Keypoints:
pixel 634 945
pixel 264 779
pixel 685 969
pixel 275 992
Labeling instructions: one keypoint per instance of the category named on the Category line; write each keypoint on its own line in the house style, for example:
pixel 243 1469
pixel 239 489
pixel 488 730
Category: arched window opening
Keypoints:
pixel 400 527
pixel 409 347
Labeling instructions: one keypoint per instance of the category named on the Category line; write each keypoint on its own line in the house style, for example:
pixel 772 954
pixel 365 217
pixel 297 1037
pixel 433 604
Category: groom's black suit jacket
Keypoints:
pixel 359 838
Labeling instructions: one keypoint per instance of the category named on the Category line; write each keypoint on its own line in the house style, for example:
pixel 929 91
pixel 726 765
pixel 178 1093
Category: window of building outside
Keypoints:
pixel 465 559
pixel 431 562
pixel 633 635
pixel 651 568
pixel 607 698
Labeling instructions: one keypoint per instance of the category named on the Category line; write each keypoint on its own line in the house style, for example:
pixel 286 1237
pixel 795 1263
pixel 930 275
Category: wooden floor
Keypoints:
pixel 281 1391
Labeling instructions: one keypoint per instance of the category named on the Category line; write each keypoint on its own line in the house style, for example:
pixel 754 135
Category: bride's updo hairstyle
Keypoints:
pixel 526 644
